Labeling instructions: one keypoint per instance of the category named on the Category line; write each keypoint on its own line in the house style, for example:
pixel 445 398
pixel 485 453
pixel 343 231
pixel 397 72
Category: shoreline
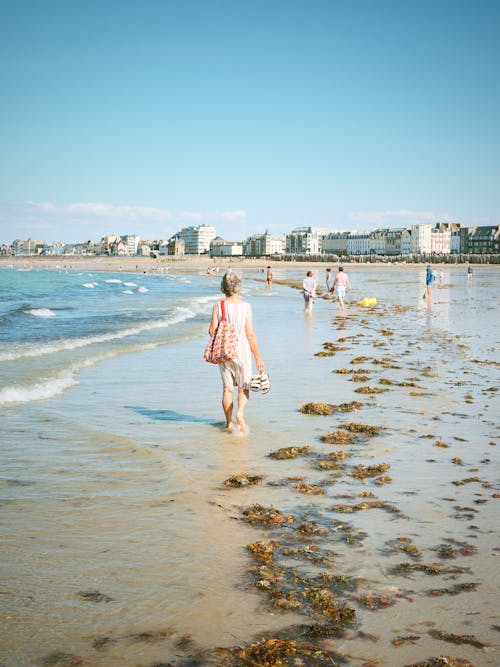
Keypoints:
pixel 201 263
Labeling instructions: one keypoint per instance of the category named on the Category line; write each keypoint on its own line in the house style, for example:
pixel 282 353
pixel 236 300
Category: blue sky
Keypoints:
pixel 121 116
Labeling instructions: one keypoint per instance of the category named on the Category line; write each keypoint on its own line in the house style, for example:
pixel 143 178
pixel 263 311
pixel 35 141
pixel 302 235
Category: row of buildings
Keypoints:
pixel 425 239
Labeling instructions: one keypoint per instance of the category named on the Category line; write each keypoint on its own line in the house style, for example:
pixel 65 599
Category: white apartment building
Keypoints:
pixel 196 239
pixel 132 243
pixel 416 240
pixel 303 241
pixel 221 248
pixel 441 241
pixel 358 244
pixel 260 245
pixel 335 243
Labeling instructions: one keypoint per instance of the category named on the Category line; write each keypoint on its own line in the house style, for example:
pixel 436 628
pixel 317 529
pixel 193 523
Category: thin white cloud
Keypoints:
pixel 230 216
pixel 401 216
pixel 101 210
pixel 98 210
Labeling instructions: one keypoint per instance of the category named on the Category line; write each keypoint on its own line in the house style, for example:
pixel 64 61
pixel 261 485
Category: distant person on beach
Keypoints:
pixel 269 278
pixel 441 277
pixel 470 273
pixel 309 291
pixel 430 277
pixel 236 373
pixel 328 279
pixel 342 284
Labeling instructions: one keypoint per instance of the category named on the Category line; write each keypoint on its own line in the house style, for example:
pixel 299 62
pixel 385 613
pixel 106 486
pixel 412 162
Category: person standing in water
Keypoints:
pixel 329 281
pixel 309 291
pixel 238 372
pixel 342 284
pixel 430 277
pixel 269 279
pixel 470 274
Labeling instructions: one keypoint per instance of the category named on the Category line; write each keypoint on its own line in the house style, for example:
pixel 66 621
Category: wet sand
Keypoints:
pixel 358 546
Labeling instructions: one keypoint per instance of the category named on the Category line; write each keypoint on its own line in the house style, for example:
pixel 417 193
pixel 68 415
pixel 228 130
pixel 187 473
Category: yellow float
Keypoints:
pixel 366 302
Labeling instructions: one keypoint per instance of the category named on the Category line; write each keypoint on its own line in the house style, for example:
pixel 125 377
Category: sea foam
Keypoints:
pixel 40 312
pixel 179 314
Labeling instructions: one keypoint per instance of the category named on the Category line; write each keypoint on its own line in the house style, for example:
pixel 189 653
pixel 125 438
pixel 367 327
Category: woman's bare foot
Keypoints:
pixel 229 427
pixel 242 427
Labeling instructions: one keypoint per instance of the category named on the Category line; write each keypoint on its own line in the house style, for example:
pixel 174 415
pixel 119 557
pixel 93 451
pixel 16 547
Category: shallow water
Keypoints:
pixel 115 484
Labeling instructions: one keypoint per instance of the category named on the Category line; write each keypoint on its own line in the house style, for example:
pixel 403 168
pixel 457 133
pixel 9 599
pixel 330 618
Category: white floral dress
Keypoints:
pixel 237 373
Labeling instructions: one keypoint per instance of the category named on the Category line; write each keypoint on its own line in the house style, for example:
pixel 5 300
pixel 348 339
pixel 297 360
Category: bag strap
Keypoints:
pixel 223 309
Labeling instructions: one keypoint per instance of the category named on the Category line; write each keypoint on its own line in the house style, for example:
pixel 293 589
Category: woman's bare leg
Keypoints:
pixel 227 406
pixel 243 396
pixel 341 302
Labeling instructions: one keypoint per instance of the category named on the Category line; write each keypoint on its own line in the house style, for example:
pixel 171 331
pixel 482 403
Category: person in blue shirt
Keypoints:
pixel 430 277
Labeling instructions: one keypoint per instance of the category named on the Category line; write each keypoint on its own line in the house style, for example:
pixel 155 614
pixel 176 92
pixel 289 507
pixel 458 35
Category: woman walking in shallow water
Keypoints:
pixel 236 373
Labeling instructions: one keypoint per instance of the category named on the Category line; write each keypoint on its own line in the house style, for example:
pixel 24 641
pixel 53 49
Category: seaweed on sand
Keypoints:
pixel 327 603
pixel 311 553
pixel 289 452
pixel 350 371
pixel 263 551
pixel 384 479
pixel 458 639
pixel 266 516
pixel 468 480
pixel 368 505
pixel 328 462
pixel 443 661
pixel 460 549
pixel 369 390
pixel 362 472
pixel 62 659
pixel 374 602
pixel 360 378
pixel 360 360
pixel 237 481
pixel 305 487
pixel 357 427
pixel 338 437
pixel 401 641
pixel 428 568
pixel 456 589
pixel 440 443
pixel 329 350
pixel 268 652
pixel 403 545
pixel 328 408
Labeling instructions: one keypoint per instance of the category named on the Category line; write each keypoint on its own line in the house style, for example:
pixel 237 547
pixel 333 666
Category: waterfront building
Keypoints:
pixel 358 244
pixel 262 245
pixel 416 240
pixel 221 248
pixel 440 241
pixel 196 239
pixel 386 241
pixel 303 241
pixel 335 243
pixel 484 240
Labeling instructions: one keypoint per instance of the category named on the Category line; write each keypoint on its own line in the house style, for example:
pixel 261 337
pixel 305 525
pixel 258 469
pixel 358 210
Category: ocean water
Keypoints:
pixel 113 458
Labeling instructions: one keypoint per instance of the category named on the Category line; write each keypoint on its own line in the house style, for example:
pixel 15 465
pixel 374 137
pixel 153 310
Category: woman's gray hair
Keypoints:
pixel 231 284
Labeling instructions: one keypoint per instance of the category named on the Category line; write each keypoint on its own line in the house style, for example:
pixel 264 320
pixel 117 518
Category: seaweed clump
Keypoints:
pixel 443 661
pixel 289 452
pixel 458 639
pixel 329 409
pixel 362 472
pixel 269 652
pixel 357 427
pixel 338 437
pixel 369 390
pixel 266 516
pixel 456 589
pixel 237 481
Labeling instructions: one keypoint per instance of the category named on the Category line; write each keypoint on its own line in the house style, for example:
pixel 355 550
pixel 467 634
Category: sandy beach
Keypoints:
pixel 355 525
